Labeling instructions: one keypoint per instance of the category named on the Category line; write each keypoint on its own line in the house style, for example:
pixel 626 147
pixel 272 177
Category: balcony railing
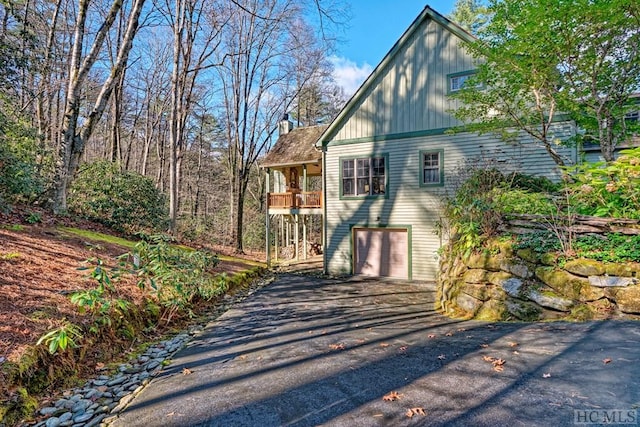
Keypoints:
pixel 304 199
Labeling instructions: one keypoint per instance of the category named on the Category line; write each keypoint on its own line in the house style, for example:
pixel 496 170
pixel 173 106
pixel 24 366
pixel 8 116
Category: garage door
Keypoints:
pixel 381 252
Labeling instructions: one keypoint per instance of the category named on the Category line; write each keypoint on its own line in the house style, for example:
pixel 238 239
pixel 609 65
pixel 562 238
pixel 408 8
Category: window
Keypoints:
pixel 364 176
pixel 457 80
pixel 432 168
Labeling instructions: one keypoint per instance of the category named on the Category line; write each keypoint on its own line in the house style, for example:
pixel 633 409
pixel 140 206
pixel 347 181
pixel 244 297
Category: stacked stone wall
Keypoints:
pixel 524 285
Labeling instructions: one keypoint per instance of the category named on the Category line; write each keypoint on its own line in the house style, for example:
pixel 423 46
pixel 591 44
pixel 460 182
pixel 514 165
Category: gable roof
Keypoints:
pixel 427 13
pixel 295 147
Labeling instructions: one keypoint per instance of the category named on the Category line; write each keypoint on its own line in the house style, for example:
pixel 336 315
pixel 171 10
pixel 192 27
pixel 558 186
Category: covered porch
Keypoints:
pixel 294 196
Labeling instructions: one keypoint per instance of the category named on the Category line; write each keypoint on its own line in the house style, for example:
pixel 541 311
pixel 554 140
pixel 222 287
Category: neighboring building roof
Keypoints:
pixel 427 13
pixel 296 147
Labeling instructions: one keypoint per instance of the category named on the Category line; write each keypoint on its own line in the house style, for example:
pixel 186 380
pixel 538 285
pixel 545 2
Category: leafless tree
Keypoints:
pixel 257 85
pixel 196 27
pixel 76 132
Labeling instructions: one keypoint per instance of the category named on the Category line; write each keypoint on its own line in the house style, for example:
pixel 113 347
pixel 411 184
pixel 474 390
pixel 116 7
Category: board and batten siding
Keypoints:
pixel 407 203
pixel 410 93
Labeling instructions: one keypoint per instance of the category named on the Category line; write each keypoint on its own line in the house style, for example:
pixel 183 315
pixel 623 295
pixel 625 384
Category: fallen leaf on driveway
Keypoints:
pixel 186 371
pixel 546 375
pixel 607 360
pixel 497 363
pixel 415 411
pixel 338 346
pixel 394 395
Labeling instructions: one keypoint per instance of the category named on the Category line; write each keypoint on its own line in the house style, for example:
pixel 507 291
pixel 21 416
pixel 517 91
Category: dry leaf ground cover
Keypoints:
pixel 39 269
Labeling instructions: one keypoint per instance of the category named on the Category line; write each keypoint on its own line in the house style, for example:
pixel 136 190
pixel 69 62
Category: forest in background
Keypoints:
pixel 153 115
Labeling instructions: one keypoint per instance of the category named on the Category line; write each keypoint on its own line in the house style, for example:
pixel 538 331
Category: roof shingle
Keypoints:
pixel 296 147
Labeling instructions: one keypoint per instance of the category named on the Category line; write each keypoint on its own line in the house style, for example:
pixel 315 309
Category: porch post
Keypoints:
pixel 304 236
pixel 276 237
pixel 296 234
pixel 305 188
pixel 304 178
pixel 287 235
pixel 267 231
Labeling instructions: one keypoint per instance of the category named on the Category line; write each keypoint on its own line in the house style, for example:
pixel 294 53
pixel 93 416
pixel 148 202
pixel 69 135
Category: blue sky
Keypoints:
pixel 374 28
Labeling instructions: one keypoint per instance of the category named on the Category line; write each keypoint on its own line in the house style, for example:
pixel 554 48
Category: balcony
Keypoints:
pixel 298 200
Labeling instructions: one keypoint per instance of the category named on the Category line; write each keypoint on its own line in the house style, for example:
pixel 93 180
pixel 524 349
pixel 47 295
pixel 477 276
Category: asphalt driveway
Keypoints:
pixel 306 351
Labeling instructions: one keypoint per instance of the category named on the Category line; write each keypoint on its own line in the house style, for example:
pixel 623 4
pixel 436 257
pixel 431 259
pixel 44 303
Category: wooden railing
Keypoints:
pixel 304 199
pixel 309 199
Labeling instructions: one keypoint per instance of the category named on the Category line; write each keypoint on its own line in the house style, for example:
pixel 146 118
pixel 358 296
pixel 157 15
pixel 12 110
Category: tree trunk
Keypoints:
pixel 74 139
pixel 239 203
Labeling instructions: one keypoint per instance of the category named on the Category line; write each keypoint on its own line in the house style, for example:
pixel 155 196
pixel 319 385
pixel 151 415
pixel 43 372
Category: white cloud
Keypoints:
pixel 348 74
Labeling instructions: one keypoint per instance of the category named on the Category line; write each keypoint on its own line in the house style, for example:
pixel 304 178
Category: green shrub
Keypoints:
pixel 610 247
pixel 108 311
pixel 475 213
pixel 176 275
pixel 530 183
pixel 608 189
pixel 20 178
pixel 124 201
pixel 516 201
pixel 540 242
pixel 61 338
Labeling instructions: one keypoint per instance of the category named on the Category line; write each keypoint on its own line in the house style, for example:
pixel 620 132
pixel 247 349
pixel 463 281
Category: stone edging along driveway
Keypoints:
pixel 305 351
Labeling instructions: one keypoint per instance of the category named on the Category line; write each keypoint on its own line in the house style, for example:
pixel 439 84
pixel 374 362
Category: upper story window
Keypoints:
pixel 432 168
pixel 364 176
pixel 456 81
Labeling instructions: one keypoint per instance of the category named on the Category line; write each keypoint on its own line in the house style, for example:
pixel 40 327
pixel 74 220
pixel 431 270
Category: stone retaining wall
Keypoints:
pixel 524 285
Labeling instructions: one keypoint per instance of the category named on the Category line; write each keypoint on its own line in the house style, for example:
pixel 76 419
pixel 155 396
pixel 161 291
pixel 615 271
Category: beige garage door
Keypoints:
pixel 381 252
